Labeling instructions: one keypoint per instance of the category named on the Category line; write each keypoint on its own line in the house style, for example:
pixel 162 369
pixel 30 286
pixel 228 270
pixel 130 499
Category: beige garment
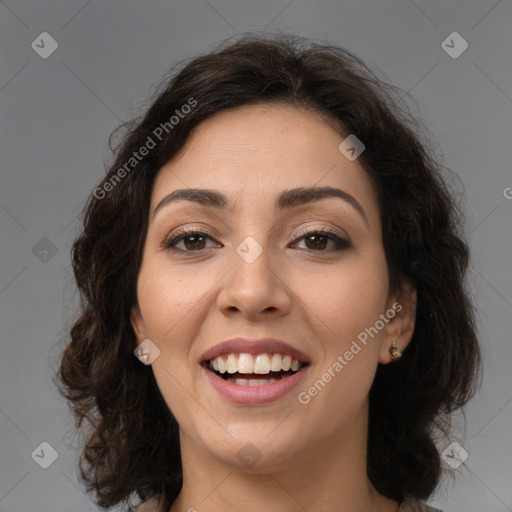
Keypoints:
pixel 408 505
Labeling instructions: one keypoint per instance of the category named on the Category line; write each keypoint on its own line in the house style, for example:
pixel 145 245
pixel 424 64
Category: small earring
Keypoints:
pixel 395 352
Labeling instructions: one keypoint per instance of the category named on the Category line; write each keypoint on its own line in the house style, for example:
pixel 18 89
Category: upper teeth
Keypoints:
pixel 261 363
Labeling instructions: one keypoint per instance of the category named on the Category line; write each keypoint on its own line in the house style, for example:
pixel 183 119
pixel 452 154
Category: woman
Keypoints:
pixel 281 253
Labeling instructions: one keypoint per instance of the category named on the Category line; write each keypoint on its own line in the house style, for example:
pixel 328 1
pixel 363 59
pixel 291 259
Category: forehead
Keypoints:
pixel 254 152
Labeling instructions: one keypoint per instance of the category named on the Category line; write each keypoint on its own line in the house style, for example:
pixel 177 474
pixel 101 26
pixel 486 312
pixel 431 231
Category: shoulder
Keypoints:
pixel 151 505
pixel 412 505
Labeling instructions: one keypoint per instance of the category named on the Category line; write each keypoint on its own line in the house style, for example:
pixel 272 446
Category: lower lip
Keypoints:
pixel 254 395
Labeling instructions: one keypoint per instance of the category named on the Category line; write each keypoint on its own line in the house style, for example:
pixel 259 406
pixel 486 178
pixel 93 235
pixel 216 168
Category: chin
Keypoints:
pixel 256 449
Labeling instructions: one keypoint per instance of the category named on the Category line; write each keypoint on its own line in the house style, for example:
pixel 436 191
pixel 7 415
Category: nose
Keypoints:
pixel 256 288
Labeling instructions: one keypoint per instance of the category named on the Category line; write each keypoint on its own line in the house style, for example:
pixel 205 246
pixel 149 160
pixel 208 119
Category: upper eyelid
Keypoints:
pixel 289 232
pixel 295 224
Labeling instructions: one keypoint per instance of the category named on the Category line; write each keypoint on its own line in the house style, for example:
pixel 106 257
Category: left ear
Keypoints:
pixel 400 327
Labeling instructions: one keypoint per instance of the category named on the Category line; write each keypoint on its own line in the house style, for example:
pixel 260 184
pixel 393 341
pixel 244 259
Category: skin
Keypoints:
pixel 313 456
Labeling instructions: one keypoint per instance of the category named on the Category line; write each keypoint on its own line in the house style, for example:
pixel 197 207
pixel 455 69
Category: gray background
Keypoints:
pixel 56 115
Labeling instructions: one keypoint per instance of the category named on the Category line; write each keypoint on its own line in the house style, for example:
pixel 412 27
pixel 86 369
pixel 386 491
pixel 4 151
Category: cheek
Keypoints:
pixel 168 301
pixel 168 295
pixel 164 309
pixel 346 302
pixel 342 307
pixel 345 299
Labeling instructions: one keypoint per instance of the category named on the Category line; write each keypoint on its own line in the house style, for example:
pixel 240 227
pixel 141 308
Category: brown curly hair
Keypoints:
pixel 132 445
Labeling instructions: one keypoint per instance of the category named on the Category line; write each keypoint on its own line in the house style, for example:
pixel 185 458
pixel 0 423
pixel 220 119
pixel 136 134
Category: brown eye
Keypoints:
pixel 190 242
pixel 193 241
pixel 317 240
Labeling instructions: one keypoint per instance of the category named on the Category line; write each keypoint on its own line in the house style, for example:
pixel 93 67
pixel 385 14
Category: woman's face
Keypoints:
pixel 256 271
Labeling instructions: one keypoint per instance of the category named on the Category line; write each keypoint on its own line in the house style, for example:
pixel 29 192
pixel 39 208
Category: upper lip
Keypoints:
pixel 254 346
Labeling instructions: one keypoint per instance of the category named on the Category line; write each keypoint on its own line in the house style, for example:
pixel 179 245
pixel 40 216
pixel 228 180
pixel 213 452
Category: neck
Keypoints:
pixel 328 477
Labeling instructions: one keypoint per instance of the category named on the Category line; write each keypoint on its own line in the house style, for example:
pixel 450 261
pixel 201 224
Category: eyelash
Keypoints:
pixel 342 243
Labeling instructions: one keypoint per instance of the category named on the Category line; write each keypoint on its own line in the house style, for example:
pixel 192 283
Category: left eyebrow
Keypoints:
pixel 290 198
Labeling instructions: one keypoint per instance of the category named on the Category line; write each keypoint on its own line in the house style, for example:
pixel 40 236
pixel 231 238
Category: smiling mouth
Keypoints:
pixel 245 370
